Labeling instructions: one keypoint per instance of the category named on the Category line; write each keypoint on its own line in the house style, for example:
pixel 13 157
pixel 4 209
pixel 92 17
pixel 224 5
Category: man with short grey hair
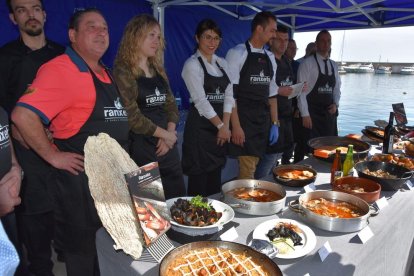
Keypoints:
pixel 319 104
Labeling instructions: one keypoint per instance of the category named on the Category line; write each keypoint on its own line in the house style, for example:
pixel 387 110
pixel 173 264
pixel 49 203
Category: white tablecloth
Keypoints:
pixel 389 252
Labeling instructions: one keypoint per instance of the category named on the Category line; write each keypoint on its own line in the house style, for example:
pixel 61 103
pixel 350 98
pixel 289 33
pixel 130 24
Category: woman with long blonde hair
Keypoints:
pixel 149 102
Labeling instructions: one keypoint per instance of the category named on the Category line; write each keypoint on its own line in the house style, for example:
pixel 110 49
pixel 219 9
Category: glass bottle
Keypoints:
pixel 336 168
pixel 388 136
pixel 349 161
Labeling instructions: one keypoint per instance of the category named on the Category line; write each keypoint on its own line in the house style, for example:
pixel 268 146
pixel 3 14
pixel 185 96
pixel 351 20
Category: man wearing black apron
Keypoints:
pixel 20 61
pixel 318 107
pixel 284 79
pixel 152 97
pixel 254 121
pixel 203 158
pixel 76 95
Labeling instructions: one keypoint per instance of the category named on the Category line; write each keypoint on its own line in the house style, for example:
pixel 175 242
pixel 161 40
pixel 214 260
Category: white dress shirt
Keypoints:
pixel 193 76
pixel 308 72
pixel 237 56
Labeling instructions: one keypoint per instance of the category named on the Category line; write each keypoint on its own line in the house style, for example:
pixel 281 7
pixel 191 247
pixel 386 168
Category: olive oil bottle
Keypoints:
pixel 349 161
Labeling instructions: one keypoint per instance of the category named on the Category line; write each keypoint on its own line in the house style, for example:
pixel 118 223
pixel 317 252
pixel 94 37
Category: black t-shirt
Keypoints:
pixel 5 149
pixel 18 67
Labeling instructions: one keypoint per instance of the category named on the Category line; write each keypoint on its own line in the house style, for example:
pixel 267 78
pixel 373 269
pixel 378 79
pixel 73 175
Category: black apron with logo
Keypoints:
pixel 252 96
pixel 152 96
pixel 200 150
pixel 284 77
pixel 76 218
pixel 5 150
pixel 319 99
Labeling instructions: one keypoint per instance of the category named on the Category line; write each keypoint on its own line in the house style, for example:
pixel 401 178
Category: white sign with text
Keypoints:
pixel 324 251
pixel 310 187
pixel 381 203
pixel 365 234
pixel 229 235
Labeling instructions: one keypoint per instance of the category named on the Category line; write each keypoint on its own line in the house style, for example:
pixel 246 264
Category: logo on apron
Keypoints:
pixel 116 112
pixel 286 82
pixel 216 97
pixel 156 99
pixel 327 89
pixel 4 136
pixel 260 79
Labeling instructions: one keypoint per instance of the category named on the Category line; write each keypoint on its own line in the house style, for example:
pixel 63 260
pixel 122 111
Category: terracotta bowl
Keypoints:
pixel 371 188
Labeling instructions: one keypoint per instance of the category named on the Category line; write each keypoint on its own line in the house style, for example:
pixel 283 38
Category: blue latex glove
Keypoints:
pixel 274 134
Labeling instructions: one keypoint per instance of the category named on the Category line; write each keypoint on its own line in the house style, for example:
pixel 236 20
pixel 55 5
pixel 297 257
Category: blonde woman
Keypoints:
pixel 149 102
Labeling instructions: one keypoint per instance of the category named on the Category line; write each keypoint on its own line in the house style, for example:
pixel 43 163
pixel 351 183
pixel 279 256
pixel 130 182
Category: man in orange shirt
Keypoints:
pixel 75 94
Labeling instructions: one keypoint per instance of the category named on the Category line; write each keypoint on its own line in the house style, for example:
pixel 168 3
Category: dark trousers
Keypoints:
pixel 81 265
pixel 287 154
pixel 301 139
pixel 143 150
pixel 205 184
pixel 171 174
pixel 36 233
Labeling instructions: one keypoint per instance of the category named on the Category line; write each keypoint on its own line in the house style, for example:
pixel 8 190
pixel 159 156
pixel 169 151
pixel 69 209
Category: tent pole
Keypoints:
pixel 159 15
pixel 159 12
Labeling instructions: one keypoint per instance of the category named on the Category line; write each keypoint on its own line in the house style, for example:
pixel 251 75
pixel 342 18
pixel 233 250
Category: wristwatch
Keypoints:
pixel 220 125
pixel 276 123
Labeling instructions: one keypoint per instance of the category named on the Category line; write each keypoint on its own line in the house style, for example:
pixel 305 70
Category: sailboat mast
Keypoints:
pixel 342 46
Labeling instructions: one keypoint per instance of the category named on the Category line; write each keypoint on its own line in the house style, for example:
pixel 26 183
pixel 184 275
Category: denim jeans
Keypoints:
pixel 266 164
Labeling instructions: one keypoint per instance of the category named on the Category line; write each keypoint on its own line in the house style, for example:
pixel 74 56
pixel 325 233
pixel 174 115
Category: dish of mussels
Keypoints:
pixel 291 238
pixel 198 214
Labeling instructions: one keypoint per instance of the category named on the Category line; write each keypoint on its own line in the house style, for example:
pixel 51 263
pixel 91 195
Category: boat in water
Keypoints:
pixel 351 68
pixel 365 68
pixel 383 70
pixel 407 70
pixel 341 70
pixel 359 68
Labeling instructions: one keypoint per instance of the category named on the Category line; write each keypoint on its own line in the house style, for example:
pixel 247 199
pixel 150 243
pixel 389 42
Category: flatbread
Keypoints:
pixel 106 162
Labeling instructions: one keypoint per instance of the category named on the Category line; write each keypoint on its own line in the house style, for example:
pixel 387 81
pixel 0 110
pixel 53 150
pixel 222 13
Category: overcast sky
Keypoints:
pixel 367 45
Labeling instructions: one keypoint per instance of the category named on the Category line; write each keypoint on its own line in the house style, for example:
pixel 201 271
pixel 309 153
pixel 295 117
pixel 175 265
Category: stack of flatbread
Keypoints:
pixel 106 163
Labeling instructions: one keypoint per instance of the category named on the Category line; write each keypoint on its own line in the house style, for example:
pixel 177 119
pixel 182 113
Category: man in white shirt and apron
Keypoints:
pixel 254 120
pixel 319 104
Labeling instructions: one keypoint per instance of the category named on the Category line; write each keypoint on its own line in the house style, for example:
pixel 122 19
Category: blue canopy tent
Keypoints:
pixel 179 18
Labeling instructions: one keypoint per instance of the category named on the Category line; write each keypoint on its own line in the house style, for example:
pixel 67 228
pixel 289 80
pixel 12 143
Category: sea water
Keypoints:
pixel 369 97
pixel 366 98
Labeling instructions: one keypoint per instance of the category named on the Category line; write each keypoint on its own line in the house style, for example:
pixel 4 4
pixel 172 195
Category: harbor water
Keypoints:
pixel 369 97
pixel 366 98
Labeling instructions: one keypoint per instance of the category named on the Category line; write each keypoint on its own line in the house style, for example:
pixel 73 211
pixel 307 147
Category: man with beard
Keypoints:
pixel 254 119
pixel 284 79
pixel 20 60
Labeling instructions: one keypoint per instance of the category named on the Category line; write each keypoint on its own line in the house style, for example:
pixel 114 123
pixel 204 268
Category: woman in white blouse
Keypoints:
pixel 207 127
